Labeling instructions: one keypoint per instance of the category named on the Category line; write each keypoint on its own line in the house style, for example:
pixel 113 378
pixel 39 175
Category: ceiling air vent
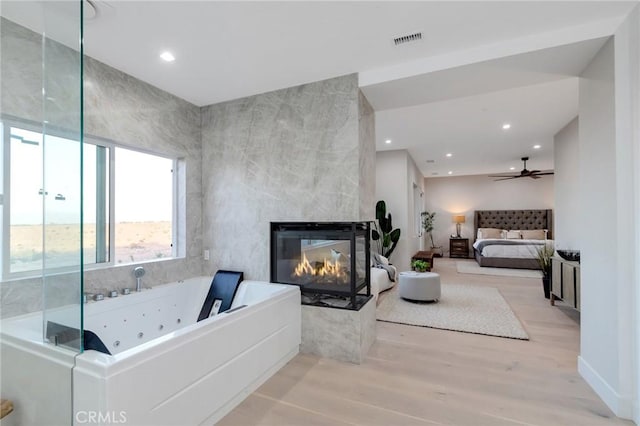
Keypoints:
pixel 417 36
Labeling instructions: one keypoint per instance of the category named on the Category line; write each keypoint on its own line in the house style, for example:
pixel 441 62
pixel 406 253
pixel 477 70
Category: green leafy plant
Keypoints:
pixel 427 224
pixel 384 234
pixel 420 265
pixel 544 254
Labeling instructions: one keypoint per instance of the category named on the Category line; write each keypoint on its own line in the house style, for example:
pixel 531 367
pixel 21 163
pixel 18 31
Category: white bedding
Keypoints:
pixel 525 251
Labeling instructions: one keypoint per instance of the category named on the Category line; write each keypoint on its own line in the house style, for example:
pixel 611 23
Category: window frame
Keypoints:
pixel 6 123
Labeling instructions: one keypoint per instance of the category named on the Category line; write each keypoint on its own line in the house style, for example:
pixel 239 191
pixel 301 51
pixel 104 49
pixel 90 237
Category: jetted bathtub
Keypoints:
pixel 167 369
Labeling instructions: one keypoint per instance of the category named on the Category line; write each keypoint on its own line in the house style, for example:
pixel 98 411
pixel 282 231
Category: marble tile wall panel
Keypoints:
pixel 118 108
pixel 367 164
pixel 287 155
pixel 21 82
pixel 339 334
pixel 121 108
pixel 23 77
pixel 302 153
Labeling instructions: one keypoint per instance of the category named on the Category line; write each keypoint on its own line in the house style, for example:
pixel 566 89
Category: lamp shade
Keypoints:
pixel 458 218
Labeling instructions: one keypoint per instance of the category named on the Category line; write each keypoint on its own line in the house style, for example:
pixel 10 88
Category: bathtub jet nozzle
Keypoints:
pixel 138 273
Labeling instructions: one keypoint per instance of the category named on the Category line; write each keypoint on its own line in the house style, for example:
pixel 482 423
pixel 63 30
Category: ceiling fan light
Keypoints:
pixel 533 174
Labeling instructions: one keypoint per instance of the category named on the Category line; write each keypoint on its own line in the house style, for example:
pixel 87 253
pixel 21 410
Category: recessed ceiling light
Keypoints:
pixel 449 154
pixel 512 168
pixel 450 172
pixel 537 147
pixel 167 56
pixel 506 126
pixel 387 141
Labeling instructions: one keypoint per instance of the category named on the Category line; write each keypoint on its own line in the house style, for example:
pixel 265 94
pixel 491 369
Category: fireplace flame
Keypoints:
pixel 328 267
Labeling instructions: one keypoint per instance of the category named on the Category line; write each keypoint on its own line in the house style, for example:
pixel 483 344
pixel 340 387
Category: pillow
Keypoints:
pixel 514 235
pixel 534 234
pixel 484 233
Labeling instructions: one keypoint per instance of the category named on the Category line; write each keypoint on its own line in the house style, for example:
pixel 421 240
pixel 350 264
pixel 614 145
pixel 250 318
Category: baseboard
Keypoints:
pixel 622 406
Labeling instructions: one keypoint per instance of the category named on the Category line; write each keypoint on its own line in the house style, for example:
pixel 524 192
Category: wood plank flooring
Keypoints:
pixel 424 376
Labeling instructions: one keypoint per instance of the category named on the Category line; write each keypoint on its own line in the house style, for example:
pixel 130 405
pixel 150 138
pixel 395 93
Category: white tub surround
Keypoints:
pixel 166 368
pixel 197 374
pixel 340 334
pixel 31 373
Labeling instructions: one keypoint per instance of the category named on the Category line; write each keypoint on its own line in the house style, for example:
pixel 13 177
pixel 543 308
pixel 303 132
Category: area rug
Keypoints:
pixel 474 268
pixel 466 308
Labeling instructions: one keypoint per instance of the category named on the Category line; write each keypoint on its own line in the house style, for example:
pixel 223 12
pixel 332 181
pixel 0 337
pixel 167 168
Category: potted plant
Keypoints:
pixel 420 266
pixel 428 219
pixel 385 236
pixel 544 254
pixel 427 224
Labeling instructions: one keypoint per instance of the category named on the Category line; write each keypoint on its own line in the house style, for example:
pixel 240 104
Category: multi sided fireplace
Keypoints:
pixel 328 260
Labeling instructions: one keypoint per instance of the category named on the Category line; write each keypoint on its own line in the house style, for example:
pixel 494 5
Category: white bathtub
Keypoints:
pixel 168 369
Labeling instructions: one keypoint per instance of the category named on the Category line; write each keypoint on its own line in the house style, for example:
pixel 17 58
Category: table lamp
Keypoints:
pixel 458 219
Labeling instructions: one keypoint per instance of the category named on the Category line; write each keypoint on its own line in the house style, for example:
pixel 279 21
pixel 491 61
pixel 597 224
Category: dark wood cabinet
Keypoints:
pixel 459 247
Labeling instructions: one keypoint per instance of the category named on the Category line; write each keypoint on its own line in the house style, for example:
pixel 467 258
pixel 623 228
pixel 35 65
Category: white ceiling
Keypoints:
pixel 461 111
pixel 470 128
pixel 228 50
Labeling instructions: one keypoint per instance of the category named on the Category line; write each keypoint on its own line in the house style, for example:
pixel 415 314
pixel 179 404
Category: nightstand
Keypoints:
pixel 459 247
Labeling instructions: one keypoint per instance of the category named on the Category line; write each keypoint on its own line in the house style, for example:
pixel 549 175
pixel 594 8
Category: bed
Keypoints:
pixel 498 251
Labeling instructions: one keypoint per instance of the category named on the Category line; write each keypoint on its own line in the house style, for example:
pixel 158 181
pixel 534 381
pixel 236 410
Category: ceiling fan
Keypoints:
pixel 533 174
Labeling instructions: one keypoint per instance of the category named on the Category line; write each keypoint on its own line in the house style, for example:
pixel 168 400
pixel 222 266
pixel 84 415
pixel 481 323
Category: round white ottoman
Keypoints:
pixel 422 286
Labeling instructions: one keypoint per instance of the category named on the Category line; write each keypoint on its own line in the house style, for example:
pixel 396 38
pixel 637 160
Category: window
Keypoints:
pixel 128 203
pixel 25 200
pixel 143 206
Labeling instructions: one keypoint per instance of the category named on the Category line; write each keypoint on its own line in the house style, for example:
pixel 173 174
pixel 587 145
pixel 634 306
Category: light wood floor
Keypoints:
pixel 418 376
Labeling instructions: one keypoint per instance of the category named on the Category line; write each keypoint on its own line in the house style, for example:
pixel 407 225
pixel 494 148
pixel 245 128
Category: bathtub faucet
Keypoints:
pixel 138 273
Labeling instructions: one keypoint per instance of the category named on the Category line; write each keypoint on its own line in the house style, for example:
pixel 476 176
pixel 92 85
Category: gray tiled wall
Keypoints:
pixel 301 153
pixel 119 108
pixel 287 155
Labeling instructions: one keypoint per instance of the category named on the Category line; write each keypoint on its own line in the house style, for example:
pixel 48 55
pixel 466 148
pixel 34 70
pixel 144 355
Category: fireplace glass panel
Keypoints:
pixel 322 258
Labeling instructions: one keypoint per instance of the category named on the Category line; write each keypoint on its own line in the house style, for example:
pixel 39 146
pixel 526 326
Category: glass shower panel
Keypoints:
pixel 41 289
pixel 62 174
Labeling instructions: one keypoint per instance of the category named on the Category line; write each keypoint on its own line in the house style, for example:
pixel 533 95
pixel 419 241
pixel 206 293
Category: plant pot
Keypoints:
pixel 546 286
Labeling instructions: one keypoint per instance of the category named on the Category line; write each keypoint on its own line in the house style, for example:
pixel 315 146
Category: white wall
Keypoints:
pixel 634 137
pixel 465 194
pixel 566 187
pixel 415 183
pixel 396 173
pixel 609 183
pixel 598 219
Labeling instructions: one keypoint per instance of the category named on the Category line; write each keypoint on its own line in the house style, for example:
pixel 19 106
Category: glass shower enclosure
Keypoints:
pixel 40 207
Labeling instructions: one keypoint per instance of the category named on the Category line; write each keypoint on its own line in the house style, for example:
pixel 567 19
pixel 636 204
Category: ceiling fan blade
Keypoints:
pixel 544 174
pixel 534 172
pixel 534 176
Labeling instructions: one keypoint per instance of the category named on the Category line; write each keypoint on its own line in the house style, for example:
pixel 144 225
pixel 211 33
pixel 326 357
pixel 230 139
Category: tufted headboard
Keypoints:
pixel 513 219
